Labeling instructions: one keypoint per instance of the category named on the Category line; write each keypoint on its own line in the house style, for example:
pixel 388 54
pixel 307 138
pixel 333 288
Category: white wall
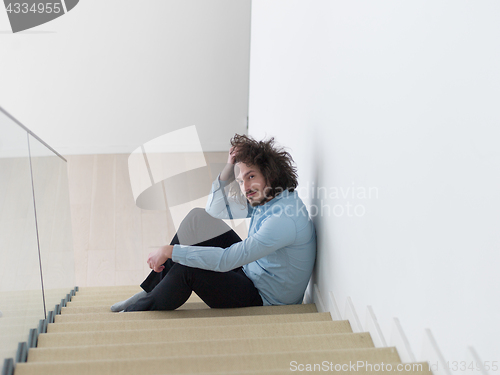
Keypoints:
pixel 402 97
pixel 110 75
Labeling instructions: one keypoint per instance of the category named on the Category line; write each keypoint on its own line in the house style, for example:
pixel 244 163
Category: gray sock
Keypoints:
pixel 122 305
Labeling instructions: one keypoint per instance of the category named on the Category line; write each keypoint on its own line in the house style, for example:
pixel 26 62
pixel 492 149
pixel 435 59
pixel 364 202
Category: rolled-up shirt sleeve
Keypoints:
pixel 220 206
pixel 275 233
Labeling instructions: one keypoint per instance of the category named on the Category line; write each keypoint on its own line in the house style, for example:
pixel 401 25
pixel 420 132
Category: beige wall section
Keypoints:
pixel 112 236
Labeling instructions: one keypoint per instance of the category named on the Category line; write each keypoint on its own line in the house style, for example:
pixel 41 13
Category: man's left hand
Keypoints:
pixel 160 256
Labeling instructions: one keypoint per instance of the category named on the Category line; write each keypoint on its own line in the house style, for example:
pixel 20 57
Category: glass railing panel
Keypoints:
pixel 50 181
pixel 21 298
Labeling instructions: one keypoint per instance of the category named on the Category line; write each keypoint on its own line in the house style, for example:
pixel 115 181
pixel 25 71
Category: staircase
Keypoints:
pixel 88 339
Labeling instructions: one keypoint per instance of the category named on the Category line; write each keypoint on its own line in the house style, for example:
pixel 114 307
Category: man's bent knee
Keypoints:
pixel 198 226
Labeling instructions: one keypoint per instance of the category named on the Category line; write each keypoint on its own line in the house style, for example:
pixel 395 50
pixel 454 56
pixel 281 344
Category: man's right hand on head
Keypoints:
pixel 232 155
pixel 227 173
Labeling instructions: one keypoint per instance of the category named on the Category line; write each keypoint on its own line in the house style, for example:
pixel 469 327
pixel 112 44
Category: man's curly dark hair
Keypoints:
pixel 274 162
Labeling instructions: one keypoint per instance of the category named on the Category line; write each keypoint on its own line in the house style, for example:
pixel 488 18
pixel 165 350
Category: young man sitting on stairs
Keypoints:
pixel 272 266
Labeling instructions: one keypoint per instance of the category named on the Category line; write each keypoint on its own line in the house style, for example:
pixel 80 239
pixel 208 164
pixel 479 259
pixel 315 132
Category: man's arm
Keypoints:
pixel 219 205
pixel 275 233
pixel 227 173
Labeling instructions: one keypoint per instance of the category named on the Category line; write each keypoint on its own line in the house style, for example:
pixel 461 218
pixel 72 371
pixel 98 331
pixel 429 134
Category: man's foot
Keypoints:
pixel 122 305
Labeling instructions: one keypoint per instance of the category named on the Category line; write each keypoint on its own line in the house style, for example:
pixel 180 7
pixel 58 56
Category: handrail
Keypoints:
pixel 30 132
pixel 31 176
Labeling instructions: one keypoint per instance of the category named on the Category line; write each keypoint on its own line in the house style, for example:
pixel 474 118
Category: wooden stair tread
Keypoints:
pixel 195 333
pixel 179 314
pixel 198 347
pixel 229 363
pixel 187 322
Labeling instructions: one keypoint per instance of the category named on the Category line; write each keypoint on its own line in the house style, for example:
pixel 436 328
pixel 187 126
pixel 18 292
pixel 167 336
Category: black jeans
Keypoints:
pixel 169 289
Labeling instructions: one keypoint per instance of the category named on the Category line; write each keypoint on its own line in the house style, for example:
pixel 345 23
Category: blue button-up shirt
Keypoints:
pixel 278 254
